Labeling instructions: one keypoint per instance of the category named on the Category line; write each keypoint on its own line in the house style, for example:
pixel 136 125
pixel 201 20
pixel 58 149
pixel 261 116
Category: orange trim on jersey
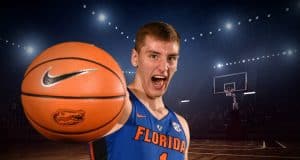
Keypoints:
pixel 92 156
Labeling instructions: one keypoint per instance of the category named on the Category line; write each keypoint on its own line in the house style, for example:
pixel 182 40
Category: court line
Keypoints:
pixel 225 149
pixel 281 145
pixel 247 155
pixel 223 145
pixel 264 145
pixel 210 142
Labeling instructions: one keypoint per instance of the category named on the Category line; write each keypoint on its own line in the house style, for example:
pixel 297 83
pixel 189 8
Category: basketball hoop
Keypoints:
pixel 229 92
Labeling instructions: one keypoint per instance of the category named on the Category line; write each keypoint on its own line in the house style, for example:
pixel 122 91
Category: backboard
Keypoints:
pixel 233 81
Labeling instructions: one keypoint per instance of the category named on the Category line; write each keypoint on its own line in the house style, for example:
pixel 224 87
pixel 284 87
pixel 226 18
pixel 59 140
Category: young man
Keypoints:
pixel 148 129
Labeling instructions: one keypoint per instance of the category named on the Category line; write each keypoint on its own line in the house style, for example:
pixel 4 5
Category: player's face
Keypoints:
pixel 156 64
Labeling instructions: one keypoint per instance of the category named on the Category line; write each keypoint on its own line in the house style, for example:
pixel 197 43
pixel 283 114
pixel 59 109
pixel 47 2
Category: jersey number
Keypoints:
pixel 163 156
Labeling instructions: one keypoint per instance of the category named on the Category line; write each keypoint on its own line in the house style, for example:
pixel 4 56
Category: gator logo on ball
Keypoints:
pixel 68 117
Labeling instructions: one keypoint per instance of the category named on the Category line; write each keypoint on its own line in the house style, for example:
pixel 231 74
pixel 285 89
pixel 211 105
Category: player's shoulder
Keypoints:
pixel 183 122
pixel 186 129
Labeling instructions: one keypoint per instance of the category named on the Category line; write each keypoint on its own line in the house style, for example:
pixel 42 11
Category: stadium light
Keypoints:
pixel 228 25
pixel 185 101
pixel 287 52
pixel 249 93
pixel 290 52
pixel 219 65
pixel 101 17
pixel 287 9
pixel 29 49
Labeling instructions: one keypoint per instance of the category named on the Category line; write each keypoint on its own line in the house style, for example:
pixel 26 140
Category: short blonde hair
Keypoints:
pixel 159 30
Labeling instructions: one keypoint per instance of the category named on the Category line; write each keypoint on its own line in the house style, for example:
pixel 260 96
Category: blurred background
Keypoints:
pixel 219 39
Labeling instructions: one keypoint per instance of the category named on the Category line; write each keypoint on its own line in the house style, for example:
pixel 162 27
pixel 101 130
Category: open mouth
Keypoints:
pixel 158 81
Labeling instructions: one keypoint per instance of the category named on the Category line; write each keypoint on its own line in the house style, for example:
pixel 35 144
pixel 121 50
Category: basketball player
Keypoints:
pixel 148 130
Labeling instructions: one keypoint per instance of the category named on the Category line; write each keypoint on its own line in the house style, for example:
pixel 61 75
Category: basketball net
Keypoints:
pixel 230 92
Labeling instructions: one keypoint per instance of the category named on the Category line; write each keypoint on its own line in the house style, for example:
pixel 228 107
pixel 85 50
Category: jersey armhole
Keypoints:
pixel 98 150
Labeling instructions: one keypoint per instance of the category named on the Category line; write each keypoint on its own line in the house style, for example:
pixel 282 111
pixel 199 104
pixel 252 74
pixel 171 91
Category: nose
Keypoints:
pixel 163 65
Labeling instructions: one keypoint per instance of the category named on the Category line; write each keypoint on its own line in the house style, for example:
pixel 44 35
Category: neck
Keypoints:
pixel 152 104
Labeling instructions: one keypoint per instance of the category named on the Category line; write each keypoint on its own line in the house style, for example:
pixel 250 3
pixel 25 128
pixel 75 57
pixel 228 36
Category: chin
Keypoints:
pixel 157 93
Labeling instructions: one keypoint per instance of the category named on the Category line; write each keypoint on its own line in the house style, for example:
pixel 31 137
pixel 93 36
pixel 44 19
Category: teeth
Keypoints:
pixel 159 77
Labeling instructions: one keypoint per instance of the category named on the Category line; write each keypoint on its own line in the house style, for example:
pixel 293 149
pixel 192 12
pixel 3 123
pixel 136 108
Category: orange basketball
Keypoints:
pixel 73 91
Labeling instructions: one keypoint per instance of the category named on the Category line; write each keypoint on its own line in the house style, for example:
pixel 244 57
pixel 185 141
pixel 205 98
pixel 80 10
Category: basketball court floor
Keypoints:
pixel 199 150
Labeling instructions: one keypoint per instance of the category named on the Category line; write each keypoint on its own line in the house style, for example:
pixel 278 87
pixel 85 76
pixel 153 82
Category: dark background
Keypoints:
pixel 273 112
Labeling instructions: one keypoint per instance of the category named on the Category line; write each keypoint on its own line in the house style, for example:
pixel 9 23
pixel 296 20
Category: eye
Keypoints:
pixel 154 56
pixel 172 58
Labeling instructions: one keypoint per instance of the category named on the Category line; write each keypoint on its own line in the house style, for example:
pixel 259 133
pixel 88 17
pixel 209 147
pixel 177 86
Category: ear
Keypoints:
pixel 134 58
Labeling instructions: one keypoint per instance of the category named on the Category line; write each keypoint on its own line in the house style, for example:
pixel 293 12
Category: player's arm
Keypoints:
pixel 124 117
pixel 98 147
pixel 186 130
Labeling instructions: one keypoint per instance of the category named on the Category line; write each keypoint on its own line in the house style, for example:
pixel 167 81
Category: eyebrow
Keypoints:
pixel 171 54
pixel 152 51
pixel 174 54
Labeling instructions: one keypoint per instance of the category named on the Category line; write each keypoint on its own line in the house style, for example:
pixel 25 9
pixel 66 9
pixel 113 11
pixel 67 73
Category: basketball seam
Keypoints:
pixel 77 133
pixel 101 97
pixel 71 97
pixel 77 58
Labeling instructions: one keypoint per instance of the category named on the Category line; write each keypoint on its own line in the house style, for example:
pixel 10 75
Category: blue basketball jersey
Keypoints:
pixel 143 137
